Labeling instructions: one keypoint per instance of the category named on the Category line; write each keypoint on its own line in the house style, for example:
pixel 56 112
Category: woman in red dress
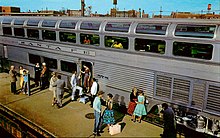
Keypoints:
pixel 86 80
pixel 132 103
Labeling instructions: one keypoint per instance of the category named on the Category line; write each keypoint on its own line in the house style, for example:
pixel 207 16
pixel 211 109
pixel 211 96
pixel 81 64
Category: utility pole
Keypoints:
pixel 83 8
pixel 161 11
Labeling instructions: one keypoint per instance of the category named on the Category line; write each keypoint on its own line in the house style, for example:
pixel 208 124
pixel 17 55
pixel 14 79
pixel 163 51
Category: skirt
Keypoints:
pixel 108 117
pixel 131 107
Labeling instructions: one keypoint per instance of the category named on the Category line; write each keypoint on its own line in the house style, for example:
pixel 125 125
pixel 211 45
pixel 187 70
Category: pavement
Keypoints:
pixel 68 121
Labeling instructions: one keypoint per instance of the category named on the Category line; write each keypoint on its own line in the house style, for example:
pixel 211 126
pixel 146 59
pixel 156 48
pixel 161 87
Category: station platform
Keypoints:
pixel 69 121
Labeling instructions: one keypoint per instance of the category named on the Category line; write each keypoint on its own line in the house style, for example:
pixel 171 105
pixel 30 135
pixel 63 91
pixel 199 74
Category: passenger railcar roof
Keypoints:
pixel 150 20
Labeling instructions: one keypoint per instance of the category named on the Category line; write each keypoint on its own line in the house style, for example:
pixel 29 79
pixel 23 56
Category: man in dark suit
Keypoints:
pixel 13 79
pixel 59 84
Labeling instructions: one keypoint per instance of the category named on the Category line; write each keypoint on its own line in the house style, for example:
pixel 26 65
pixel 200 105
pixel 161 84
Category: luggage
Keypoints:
pixel 115 129
pixel 84 99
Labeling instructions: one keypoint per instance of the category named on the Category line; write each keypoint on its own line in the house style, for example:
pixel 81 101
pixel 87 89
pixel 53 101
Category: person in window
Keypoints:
pixel 86 41
pixel 117 45
pixel 86 80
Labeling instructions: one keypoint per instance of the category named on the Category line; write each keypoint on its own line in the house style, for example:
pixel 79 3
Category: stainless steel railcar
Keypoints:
pixel 172 60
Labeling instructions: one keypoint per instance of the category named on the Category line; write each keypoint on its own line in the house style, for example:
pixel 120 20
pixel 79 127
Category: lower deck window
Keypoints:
pixel 89 39
pixel 34 59
pixel 67 37
pixel 32 33
pixel 116 42
pixel 7 31
pixel 68 66
pixel 19 32
pixel 147 45
pixel 48 35
pixel 51 63
pixel 193 50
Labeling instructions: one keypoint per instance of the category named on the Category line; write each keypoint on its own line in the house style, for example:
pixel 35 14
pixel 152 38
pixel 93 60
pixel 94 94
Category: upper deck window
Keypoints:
pixel 199 31
pixel 156 29
pixel 49 23
pixel 7 21
pixel 87 25
pixel 33 22
pixel 68 24
pixel 117 27
pixel 19 21
pixel 193 50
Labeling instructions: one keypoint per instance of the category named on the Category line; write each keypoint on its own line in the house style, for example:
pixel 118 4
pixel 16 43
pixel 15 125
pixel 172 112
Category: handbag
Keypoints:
pixel 115 129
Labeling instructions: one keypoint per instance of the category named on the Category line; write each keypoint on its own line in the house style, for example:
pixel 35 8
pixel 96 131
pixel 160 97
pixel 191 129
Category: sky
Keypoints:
pixel 104 6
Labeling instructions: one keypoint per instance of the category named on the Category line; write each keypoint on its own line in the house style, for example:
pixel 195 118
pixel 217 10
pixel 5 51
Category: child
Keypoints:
pixel 140 109
pixel 25 87
pixel 108 117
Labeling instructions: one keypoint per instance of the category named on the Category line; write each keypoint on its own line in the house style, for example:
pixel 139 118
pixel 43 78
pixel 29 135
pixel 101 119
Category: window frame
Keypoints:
pixel 107 46
pixel 81 35
pixel 47 60
pixel 4 34
pixel 154 30
pixel 67 39
pixel 35 57
pixel 68 70
pixel 48 31
pixel 115 28
pixel 16 34
pixel 32 37
pixel 76 21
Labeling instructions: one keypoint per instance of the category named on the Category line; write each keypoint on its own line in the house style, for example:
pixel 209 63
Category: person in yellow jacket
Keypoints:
pixel 117 45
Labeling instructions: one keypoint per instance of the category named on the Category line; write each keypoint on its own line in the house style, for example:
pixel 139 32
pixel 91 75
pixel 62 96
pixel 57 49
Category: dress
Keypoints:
pixel 86 77
pixel 108 116
pixel 132 104
pixel 140 108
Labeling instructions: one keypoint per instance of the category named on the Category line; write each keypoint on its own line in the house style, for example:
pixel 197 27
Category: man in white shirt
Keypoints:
pixel 73 84
pixel 94 90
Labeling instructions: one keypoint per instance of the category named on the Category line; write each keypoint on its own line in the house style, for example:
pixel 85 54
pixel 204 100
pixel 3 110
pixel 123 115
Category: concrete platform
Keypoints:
pixel 68 121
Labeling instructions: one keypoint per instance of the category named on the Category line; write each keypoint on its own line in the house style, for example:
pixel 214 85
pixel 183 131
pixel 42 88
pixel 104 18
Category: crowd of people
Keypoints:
pixel 136 107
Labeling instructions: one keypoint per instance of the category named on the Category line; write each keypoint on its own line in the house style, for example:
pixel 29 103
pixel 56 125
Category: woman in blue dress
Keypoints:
pixel 108 116
pixel 140 108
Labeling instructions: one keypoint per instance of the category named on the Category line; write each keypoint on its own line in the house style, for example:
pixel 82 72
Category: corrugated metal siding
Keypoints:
pixel 181 90
pixel 163 86
pixel 125 78
pixel 198 95
pixel 213 99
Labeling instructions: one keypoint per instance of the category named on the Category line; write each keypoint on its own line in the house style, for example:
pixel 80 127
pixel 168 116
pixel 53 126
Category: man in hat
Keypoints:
pixel 13 79
pixel 97 113
pixel 59 84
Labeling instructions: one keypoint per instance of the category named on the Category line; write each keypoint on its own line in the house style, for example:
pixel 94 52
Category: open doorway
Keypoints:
pixel 87 74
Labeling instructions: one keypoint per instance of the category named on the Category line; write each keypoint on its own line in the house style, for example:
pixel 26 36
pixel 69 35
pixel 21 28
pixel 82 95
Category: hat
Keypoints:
pixel 43 63
pixel 100 93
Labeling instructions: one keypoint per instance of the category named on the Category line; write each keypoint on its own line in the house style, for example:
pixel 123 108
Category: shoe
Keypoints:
pixel 132 119
pixel 94 133
pixel 98 134
pixel 139 121
pixel 101 131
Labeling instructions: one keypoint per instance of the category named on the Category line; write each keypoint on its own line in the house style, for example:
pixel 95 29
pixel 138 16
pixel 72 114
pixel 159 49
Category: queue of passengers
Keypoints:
pixel 136 106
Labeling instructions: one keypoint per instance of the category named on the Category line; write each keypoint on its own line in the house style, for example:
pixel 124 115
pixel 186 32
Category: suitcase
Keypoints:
pixel 115 129
pixel 84 99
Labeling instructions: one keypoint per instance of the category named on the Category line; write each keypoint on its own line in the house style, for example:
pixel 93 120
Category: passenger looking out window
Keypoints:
pixel 86 41
pixel 116 44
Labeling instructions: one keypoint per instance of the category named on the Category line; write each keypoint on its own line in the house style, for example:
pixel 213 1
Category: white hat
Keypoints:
pixel 43 63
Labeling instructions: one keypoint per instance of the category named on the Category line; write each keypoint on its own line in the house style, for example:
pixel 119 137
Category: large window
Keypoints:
pixel 48 35
pixel 68 24
pixel 33 22
pixel 7 31
pixel 68 66
pixel 19 32
pixel 199 31
pixel 33 33
pixel 7 21
pixel 193 50
pixel 50 62
pixel 147 45
pixel 49 23
pixel 19 21
pixel 67 37
pixel 117 27
pixel 34 59
pixel 116 42
pixel 156 29
pixel 89 39
pixel 90 25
